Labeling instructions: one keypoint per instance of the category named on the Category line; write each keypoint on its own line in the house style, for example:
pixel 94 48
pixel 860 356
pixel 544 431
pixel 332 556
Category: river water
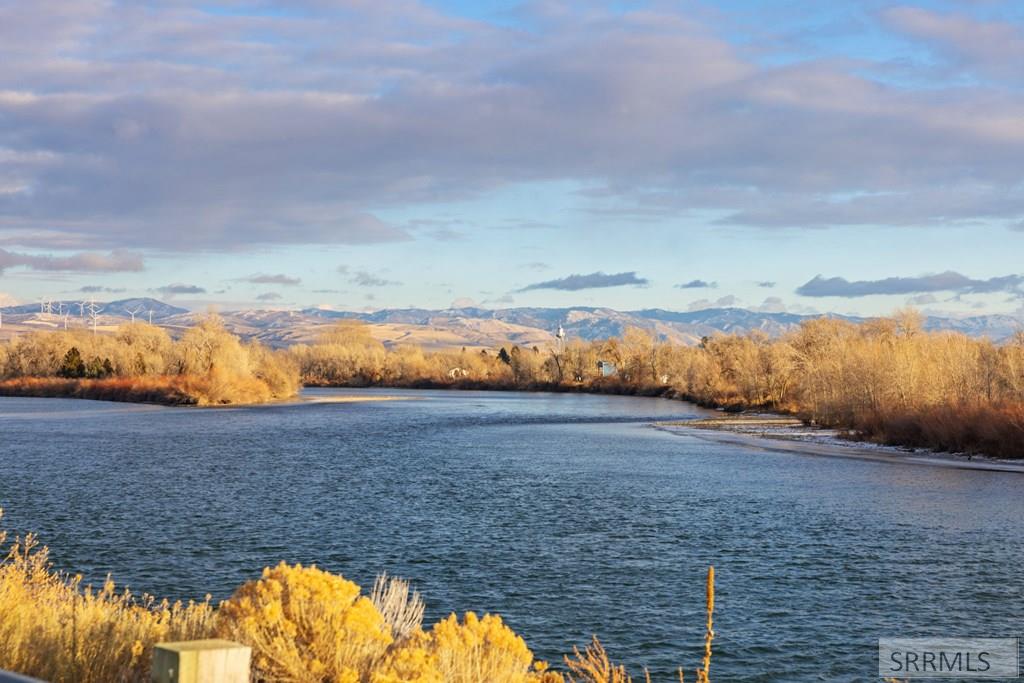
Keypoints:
pixel 567 514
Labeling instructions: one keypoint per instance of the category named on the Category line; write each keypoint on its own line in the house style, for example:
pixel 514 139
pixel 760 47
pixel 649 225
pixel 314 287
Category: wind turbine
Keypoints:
pixel 133 311
pixel 94 312
pixel 151 316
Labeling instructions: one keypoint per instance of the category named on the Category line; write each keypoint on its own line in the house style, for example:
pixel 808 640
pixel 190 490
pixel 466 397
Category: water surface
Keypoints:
pixel 567 514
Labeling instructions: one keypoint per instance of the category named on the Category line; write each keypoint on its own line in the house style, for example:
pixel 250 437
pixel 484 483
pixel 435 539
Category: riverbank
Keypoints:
pixel 785 434
pixel 167 391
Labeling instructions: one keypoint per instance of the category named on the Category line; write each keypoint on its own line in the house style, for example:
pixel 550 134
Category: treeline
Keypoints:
pixel 885 380
pixel 207 366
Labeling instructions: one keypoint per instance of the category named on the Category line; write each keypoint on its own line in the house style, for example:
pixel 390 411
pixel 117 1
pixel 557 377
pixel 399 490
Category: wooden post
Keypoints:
pixel 201 661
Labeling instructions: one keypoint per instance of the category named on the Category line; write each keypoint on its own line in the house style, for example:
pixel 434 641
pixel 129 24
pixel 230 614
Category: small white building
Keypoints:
pixel 607 368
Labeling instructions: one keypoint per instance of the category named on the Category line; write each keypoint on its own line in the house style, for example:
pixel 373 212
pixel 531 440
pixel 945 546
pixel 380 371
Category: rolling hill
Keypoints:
pixel 469 327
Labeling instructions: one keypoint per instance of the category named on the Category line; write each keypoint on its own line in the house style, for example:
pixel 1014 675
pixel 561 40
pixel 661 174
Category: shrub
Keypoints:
pixel 305 625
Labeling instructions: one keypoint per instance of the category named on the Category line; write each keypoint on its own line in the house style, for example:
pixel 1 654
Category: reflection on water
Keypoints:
pixel 565 513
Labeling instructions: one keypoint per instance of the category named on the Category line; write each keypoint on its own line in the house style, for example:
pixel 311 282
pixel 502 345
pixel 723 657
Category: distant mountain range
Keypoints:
pixel 121 309
pixel 471 327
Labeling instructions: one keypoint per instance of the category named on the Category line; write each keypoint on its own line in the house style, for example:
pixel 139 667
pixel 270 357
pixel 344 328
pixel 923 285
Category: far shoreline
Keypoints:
pixel 717 430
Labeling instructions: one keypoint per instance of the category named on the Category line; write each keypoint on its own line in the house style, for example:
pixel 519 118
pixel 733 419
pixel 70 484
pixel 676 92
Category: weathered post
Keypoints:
pixel 201 661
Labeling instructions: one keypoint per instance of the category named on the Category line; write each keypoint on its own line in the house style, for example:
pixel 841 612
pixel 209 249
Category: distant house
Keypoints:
pixel 607 368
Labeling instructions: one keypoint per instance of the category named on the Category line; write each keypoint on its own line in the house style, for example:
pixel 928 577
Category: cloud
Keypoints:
pixel 180 288
pixel 95 289
pixel 279 279
pixel 772 304
pixel 949 281
pixel 922 300
pixel 991 48
pixel 767 284
pixel 697 284
pixel 464 302
pixel 362 278
pixel 574 283
pixel 727 301
pixel 117 261
pixel 268 296
pixel 536 266
pixel 200 129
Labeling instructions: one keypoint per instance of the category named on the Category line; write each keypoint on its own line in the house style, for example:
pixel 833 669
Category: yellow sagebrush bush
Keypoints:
pixel 305 624
pixel 479 649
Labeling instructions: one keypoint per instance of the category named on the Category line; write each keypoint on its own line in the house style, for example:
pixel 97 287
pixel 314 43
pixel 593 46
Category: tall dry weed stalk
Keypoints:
pixel 709 634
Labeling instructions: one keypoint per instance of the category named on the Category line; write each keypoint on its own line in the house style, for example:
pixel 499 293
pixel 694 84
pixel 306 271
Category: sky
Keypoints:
pixel 845 156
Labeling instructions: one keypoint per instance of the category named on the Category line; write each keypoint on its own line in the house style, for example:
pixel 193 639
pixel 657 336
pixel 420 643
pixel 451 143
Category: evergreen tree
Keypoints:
pixel 72 366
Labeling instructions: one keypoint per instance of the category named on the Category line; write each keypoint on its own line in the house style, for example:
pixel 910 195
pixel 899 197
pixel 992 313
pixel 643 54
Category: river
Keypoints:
pixel 567 514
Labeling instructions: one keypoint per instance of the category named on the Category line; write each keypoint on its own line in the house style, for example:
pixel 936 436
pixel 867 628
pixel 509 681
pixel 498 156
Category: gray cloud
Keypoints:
pixel 949 281
pixel 95 289
pixel 574 283
pixel 196 129
pixel 117 261
pixel 697 284
pixel 362 278
pixel 279 279
pixel 180 288
pixel 767 284
pixel 268 296
pixel 726 301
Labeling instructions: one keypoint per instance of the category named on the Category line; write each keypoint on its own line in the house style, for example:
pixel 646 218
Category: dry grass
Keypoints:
pixel 304 625
pixel 53 628
pixel 166 390
pixel 401 608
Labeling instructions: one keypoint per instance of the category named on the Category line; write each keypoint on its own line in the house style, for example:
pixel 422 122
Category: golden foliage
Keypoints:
pixel 305 626
pixel 479 649
pixel 140 362
pixel 887 379
pixel 53 628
